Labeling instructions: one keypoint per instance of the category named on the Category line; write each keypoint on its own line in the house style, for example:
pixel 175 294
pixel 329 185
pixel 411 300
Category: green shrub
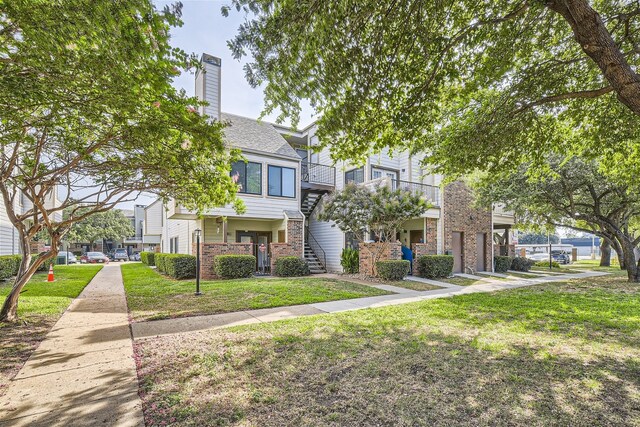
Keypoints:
pixel 148 258
pixel 158 260
pixel 395 269
pixel 180 266
pixel 234 266
pixel 350 260
pixel 502 263
pixel 291 266
pixel 554 264
pixel 522 264
pixel 9 265
pixel 435 266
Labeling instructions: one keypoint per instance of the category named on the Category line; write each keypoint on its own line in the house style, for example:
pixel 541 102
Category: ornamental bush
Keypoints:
pixel 180 266
pixel 148 258
pixel 394 269
pixel 350 260
pixel 291 266
pixel 554 264
pixel 502 263
pixel 522 264
pixel 9 265
pixel 234 266
pixel 435 266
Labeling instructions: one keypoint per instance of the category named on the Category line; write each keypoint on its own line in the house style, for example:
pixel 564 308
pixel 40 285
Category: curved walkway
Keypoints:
pixel 403 296
pixel 83 373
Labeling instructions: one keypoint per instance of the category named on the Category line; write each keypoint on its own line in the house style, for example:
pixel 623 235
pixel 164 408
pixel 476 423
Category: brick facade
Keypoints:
pixel 208 251
pixel 460 215
pixel 295 236
pixel 368 252
pixel 279 250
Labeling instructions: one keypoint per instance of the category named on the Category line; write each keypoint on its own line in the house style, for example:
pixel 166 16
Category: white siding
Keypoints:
pixel 331 239
pixel 153 218
pixel 264 206
pixel 183 230
pixel 8 233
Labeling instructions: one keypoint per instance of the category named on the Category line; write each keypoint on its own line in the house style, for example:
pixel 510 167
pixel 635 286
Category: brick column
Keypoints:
pixel 279 250
pixel 295 236
pixel 368 252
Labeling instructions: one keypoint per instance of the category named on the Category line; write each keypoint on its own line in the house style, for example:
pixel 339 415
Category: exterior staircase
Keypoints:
pixel 315 266
pixel 309 203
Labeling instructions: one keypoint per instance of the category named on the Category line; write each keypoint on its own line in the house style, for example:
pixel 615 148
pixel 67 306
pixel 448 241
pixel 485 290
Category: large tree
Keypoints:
pixel 108 225
pixel 473 83
pixel 573 194
pixel 89 114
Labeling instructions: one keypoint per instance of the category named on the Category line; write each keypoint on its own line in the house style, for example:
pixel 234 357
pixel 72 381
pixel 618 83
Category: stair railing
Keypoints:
pixel 311 238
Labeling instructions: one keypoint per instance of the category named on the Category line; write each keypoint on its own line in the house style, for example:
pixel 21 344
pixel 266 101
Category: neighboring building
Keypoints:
pixel 282 184
pixel 9 238
pixel 586 246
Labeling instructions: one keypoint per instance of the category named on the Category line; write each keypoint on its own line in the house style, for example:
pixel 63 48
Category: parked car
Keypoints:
pixel 539 257
pixel 561 257
pixel 62 258
pixel 134 256
pixel 120 254
pixel 96 257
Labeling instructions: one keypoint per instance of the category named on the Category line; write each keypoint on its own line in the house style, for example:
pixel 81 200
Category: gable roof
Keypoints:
pixel 251 134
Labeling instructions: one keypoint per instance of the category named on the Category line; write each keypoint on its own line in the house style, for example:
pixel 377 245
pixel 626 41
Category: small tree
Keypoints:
pixel 100 226
pixel 360 210
pixel 88 107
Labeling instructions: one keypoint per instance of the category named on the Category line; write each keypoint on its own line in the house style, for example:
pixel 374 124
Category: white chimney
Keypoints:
pixel 208 85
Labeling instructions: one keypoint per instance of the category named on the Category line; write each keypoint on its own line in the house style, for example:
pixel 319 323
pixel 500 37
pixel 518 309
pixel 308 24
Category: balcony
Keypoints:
pixel 133 239
pixel 429 192
pixel 315 175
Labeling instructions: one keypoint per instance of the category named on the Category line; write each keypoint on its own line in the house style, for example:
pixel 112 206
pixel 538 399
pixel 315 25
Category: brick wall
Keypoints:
pixel 460 215
pixel 368 253
pixel 210 250
pixel 418 250
pixel 295 236
pixel 279 250
pixel 432 236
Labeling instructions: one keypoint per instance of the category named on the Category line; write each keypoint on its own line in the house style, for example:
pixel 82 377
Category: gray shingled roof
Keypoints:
pixel 243 132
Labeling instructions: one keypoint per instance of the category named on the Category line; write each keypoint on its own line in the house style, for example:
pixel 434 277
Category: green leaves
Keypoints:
pixel 469 84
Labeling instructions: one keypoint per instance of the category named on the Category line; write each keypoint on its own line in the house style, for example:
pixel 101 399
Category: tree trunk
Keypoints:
pixel 630 262
pixel 9 311
pixel 596 41
pixel 605 253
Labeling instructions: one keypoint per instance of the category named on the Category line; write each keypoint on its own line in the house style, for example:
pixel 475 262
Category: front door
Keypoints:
pixel 457 249
pixel 257 238
pixel 416 236
pixel 481 254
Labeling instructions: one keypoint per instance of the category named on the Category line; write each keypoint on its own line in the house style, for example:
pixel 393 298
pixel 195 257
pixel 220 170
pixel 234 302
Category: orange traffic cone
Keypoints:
pixel 50 276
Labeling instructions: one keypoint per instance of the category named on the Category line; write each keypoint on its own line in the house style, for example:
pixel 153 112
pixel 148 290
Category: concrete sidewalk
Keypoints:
pixel 83 373
pixel 218 321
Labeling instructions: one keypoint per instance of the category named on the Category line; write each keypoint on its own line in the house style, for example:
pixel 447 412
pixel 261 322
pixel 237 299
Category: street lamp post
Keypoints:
pixel 550 257
pixel 197 232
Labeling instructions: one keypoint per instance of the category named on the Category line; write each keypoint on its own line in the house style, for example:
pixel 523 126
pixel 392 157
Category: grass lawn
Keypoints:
pixel 416 286
pixel 556 354
pixel 41 304
pixel 152 296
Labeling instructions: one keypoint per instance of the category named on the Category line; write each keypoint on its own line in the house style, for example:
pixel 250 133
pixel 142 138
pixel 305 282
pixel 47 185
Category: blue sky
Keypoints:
pixel 206 30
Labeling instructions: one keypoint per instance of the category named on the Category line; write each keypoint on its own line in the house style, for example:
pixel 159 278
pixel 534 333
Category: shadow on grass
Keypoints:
pixel 522 357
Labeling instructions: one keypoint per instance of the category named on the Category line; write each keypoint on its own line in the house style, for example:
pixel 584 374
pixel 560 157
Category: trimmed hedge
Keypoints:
pixel 158 260
pixel 502 263
pixel 394 269
pixel 291 266
pixel 522 264
pixel 148 258
pixel 435 266
pixel 180 266
pixel 234 266
pixel 9 265
pixel 554 264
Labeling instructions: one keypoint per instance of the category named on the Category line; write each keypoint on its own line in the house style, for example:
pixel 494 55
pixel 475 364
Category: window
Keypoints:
pixel 249 177
pixel 354 175
pixel 282 181
pixel 383 173
pixel 173 245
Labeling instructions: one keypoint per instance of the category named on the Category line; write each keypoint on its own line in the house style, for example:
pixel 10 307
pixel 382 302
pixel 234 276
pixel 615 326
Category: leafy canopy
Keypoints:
pixel 109 225
pixel 473 84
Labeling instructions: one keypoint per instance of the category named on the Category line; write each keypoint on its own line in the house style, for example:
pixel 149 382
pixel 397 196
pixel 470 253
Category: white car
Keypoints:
pixel 539 257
